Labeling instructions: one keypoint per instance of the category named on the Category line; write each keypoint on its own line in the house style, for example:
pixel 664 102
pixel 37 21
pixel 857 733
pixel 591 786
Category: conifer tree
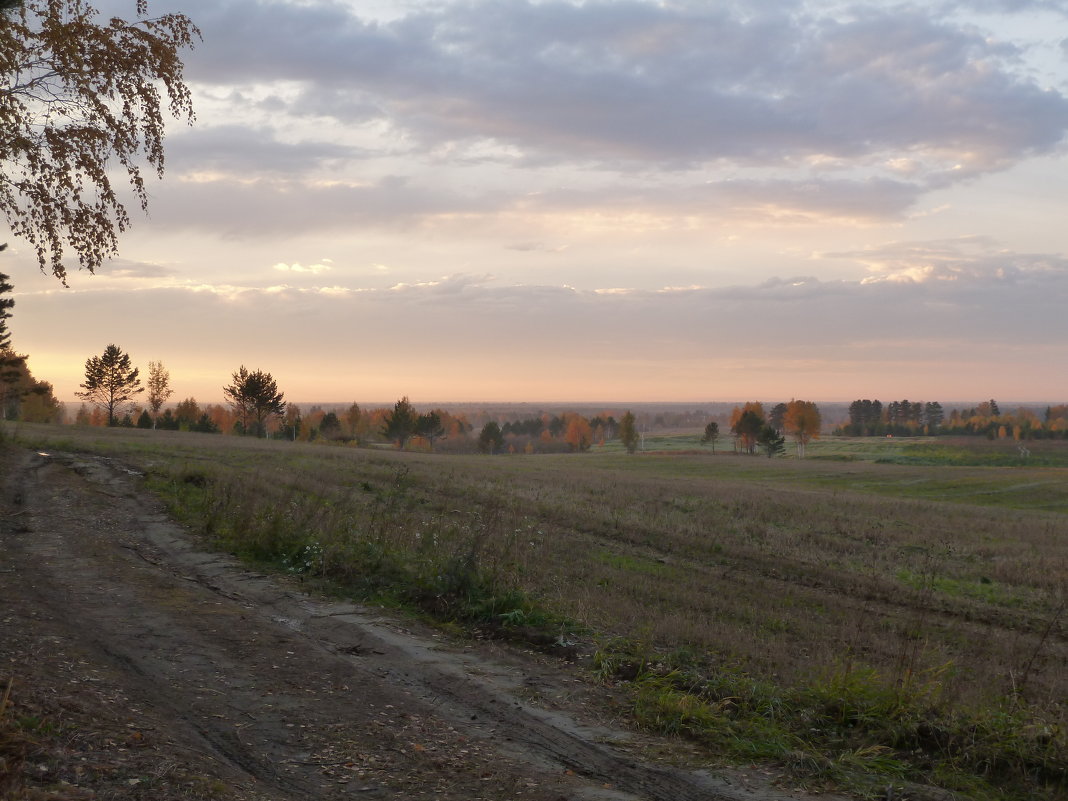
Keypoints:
pixel 628 432
pixel 110 381
pixel 400 424
pixel 255 398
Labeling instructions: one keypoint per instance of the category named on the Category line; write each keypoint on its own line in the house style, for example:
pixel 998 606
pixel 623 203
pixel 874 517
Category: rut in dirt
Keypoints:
pixel 280 686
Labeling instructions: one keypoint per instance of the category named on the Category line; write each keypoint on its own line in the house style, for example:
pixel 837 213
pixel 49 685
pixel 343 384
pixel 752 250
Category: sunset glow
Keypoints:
pixel 599 201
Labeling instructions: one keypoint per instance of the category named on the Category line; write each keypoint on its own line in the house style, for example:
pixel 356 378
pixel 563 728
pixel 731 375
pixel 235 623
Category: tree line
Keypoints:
pixel 871 418
pixel 256 407
pixel 112 392
pixel 22 397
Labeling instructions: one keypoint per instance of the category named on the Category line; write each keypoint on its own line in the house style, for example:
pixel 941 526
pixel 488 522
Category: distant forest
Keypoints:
pixel 870 418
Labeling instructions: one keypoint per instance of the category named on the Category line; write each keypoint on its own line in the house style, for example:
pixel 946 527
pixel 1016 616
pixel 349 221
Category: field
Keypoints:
pixel 882 612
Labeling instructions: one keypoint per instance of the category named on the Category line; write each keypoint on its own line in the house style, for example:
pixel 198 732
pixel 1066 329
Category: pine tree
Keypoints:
pixel 628 432
pixel 255 398
pixel 771 441
pixel 711 435
pixel 110 381
pixel 400 424
pixel 490 439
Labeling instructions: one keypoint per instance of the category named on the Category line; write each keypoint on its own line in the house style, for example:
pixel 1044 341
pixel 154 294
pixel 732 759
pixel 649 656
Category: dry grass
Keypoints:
pixel 14 746
pixel 806 575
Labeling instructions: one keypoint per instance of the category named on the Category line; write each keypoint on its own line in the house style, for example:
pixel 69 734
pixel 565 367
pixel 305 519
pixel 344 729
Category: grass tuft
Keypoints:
pixel 851 729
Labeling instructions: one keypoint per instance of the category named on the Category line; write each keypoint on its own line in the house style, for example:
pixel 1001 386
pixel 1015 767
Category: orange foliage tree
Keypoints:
pixel 802 422
pixel 579 435
pixel 746 423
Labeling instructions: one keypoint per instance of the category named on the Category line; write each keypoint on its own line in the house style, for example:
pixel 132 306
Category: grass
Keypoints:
pixel 851 728
pixel 14 746
pixel 889 467
pixel 379 538
pixel 859 619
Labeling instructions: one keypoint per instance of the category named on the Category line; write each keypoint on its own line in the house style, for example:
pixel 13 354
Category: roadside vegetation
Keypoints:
pixel 883 613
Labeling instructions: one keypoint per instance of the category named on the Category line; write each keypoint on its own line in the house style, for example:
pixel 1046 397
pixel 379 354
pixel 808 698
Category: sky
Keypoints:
pixel 550 200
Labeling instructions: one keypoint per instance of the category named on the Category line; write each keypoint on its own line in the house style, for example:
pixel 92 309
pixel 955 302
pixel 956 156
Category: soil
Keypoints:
pixel 143 666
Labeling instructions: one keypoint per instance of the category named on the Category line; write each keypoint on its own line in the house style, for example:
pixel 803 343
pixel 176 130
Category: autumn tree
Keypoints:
pixel 802 422
pixel 159 388
pixel 711 435
pixel 82 99
pixel 38 402
pixel 110 381
pixel 579 435
pixel 255 398
pixel 400 424
pixel 747 423
pixel 293 423
pixel 628 432
pixel 187 411
pixel 352 420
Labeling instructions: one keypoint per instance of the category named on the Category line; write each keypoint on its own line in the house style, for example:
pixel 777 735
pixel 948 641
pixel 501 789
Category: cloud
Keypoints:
pixel 666 84
pixel 470 138
pixel 536 247
pixel 955 292
pixel 973 260
pixel 119 268
pixel 297 267
pixel 245 150
pixel 317 118
pixel 278 207
pixel 1009 6
pixel 980 313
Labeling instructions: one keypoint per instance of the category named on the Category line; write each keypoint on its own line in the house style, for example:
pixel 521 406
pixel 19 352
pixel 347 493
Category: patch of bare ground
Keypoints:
pixel 142 667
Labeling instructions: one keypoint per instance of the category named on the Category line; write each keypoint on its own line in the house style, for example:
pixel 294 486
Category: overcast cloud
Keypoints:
pixel 790 198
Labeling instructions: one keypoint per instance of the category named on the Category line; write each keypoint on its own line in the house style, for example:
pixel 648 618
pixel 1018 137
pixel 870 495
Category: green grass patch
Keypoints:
pixel 850 728
pixel 1002 453
pixel 982 589
pixel 633 564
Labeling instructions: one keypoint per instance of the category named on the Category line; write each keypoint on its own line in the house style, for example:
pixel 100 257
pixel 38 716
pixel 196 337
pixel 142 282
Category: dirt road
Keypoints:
pixel 172 673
